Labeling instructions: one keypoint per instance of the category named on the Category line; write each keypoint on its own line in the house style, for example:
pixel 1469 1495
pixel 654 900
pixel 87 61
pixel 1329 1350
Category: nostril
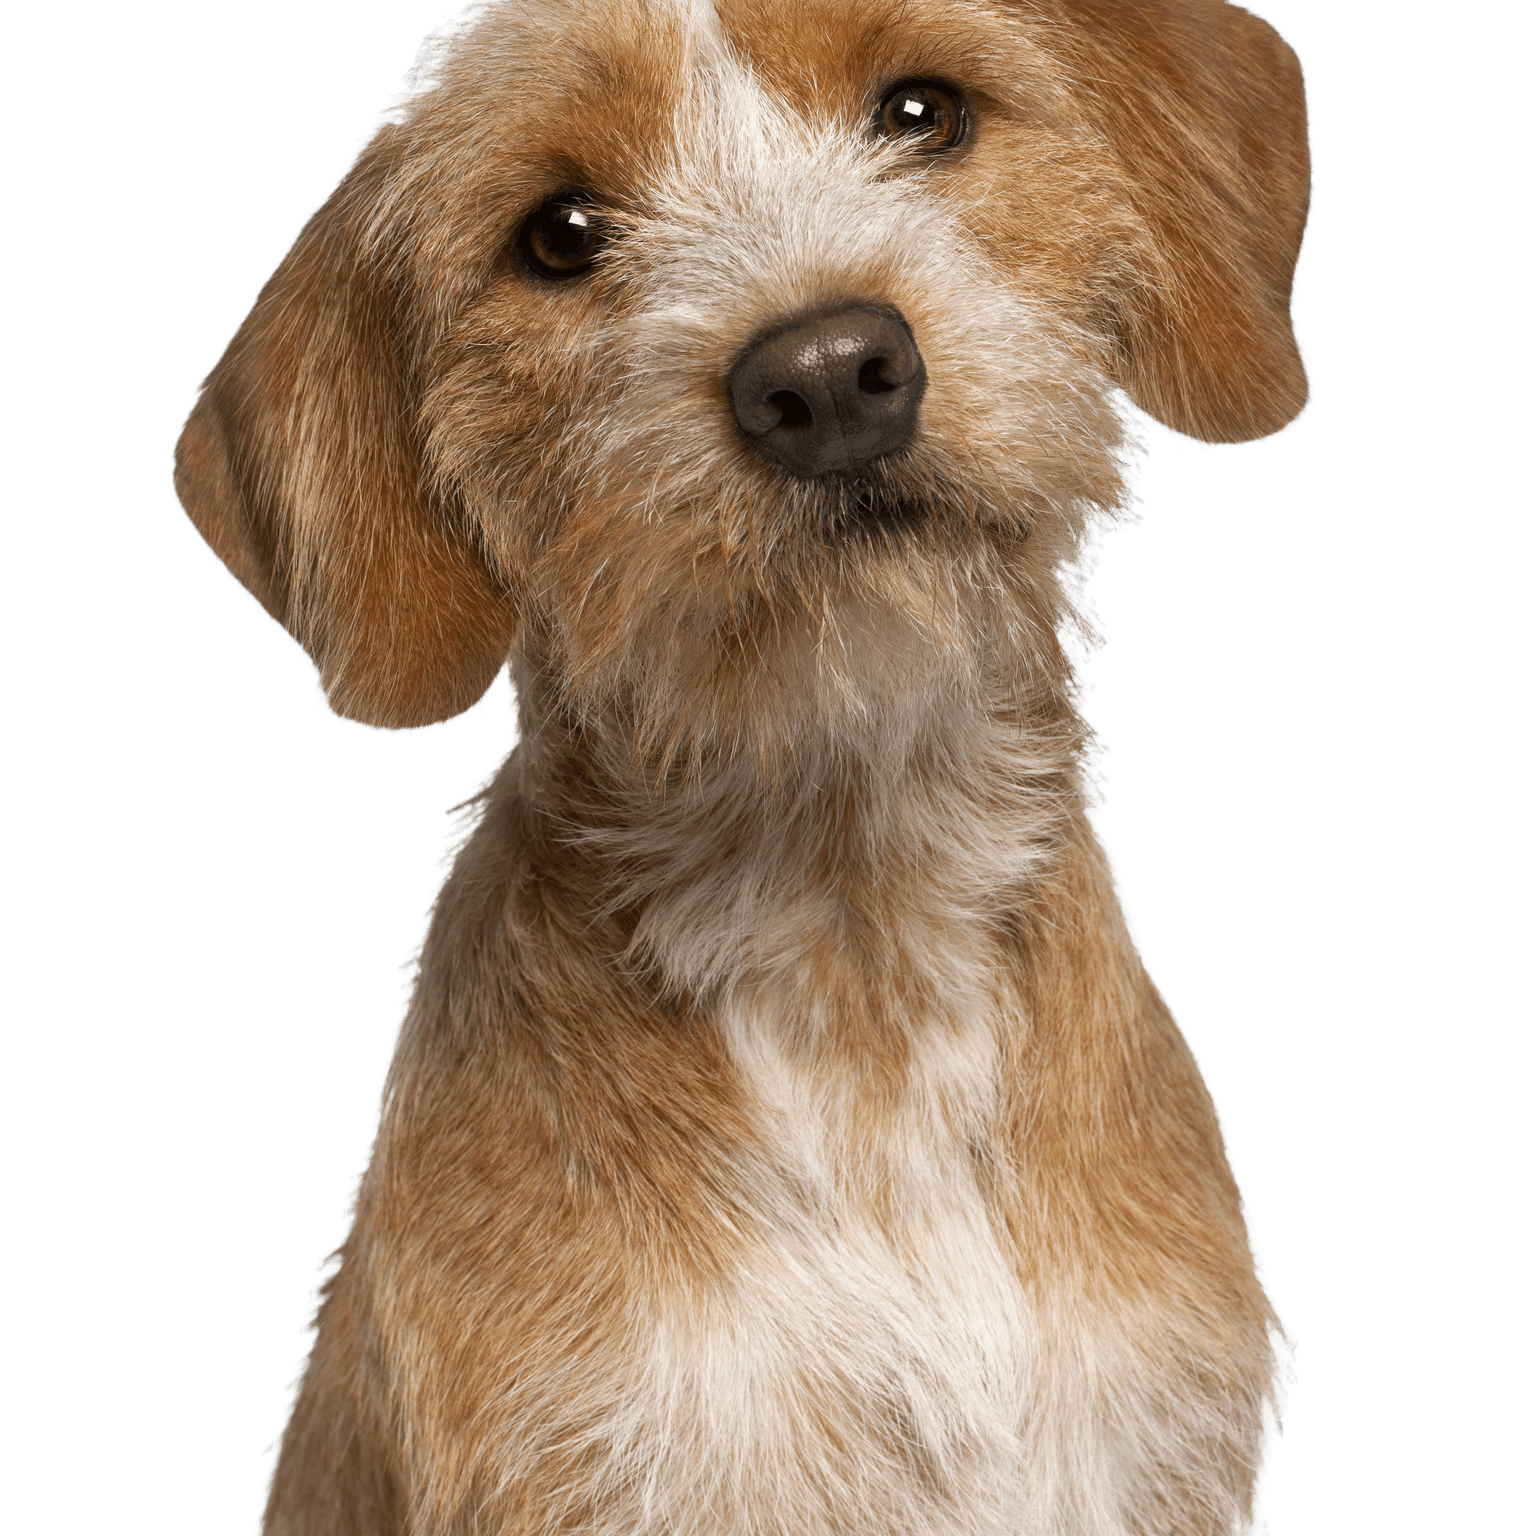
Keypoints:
pixel 872 379
pixel 793 411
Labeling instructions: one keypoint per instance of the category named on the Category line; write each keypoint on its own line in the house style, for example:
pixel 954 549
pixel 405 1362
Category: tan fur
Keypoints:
pixel 784 1136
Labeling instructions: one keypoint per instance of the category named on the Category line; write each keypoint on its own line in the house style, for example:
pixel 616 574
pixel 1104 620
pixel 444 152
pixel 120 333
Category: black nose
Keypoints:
pixel 829 393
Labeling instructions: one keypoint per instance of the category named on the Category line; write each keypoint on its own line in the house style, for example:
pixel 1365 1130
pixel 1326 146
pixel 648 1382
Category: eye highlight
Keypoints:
pixel 926 112
pixel 562 237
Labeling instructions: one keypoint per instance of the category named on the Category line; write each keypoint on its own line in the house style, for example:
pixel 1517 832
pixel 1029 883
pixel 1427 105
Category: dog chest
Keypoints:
pixel 863 1367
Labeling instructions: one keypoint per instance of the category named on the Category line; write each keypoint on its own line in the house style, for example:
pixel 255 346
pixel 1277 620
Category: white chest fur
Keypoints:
pixel 865 1369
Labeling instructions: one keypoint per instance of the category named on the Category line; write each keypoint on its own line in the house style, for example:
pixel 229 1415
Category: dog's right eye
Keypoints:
pixel 561 238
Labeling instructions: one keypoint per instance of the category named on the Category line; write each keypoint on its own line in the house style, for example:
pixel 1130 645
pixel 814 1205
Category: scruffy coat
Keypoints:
pixel 784 1136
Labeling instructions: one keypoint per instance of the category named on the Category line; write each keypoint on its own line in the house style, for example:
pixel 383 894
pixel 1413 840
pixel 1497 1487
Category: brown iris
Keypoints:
pixel 562 237
pixel 929 114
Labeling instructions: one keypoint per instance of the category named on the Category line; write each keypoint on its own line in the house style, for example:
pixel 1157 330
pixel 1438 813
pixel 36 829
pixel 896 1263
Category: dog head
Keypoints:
pixel 725 361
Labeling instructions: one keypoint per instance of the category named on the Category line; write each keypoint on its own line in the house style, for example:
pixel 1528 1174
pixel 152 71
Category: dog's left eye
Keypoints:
pixel 925 111
pixel 561 238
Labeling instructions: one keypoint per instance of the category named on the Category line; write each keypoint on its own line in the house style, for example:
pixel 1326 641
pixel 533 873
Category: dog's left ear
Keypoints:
pixel 302 467
pixel 1202 104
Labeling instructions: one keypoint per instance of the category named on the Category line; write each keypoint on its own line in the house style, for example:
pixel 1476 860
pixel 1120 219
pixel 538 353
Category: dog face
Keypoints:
pixel 735 364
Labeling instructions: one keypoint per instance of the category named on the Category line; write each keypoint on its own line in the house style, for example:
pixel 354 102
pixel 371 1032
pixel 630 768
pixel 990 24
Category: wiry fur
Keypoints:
pixel 784 1136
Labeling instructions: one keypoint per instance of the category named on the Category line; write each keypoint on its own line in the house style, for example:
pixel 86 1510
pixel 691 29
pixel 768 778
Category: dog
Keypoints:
pixel 784 1136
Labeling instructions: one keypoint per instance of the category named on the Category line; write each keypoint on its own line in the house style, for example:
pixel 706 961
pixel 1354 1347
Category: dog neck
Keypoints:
pixel 874 854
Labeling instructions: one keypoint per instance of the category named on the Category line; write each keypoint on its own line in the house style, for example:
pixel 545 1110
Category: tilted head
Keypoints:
pixel 721 360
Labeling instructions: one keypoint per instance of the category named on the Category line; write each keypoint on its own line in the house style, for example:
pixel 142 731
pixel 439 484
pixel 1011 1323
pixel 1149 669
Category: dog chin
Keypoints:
pixel 904 503
pixel 860 510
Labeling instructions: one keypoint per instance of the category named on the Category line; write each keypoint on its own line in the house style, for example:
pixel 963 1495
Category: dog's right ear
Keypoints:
pixel 301 466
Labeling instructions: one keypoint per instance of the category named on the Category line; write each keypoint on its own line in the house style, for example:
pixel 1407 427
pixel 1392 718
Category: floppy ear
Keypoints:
pixel 1202 104
pixel 301 467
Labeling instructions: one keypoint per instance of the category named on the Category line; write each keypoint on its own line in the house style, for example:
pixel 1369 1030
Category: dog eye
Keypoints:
pixel 922 110
pixel 562 237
